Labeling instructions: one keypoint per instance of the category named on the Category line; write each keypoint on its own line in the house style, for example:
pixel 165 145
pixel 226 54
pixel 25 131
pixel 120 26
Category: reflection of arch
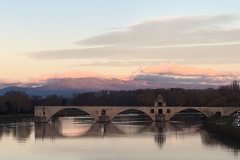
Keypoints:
pixel 218 113
pixel 128 128
pixel 63 128
pixel 147 113
pixel 160 104
pixel 103 112
pixel 60 109
pixel 168 111
pixel 160 111
pixel 152 111
pixel 72 129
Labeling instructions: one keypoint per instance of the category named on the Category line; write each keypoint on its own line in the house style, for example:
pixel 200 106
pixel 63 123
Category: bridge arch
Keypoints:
pixel 218 113
pixel 235 111
pixel 148 112
pixel 53 111
pixel 173 113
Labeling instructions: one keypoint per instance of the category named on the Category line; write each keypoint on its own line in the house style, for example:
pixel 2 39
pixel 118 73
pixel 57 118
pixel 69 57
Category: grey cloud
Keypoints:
pixel 184 80
pixel 205 54
pixel 4 85
pixel 120 63
pixel 189 30
pixel 213 61
pixel 203 39
pixel 94 53
pixel 172 31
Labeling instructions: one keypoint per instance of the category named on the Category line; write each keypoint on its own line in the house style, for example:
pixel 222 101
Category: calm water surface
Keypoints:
pixel 127 137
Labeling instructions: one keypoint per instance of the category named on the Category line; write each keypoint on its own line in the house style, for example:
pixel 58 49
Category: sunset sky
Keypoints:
pixel 178 41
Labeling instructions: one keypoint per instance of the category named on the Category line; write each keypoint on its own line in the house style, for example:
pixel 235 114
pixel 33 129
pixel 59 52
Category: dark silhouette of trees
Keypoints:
pixel 52 100
pixel 234 85
pixel 36 100
pixel 229 94
pixel 15 102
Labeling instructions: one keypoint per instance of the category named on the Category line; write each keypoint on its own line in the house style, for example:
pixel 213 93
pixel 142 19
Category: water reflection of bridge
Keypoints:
pixel 161 132
pixel 69 127
pixel 58 130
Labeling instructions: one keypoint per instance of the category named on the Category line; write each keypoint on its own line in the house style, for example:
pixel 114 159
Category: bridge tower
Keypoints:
pixel 159 101
pixel 158 104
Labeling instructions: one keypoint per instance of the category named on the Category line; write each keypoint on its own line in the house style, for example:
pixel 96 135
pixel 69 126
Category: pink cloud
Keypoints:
pixel 185 70
pixel 75 74
pixel 69 74
pixel 3 80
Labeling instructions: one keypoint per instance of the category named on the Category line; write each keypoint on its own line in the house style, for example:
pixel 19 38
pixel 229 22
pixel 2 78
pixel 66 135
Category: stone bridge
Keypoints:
pixel 158 112
pixel 107 113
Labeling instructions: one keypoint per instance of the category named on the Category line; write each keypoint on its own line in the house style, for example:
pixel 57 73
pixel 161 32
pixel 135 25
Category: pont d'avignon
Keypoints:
pixel 119 80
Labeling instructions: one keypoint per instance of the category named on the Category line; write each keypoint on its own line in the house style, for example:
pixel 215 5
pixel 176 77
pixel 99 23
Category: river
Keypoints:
pixel 128 137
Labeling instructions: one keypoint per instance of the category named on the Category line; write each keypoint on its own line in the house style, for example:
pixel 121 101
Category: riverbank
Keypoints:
pixel 16 118
pixel 16 115
pixel 222 126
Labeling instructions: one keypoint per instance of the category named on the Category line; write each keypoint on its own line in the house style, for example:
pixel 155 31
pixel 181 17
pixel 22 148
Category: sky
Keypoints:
pixel 180 41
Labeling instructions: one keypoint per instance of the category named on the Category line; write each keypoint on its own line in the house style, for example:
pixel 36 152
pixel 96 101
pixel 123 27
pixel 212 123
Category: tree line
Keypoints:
pixel 15 102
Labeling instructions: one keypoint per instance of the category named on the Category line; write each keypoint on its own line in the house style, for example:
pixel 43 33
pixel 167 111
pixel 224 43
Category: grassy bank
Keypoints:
pixel 222 126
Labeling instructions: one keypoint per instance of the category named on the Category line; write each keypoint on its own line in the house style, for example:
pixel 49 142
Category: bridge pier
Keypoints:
pixel 40 119
pixel 160 118
pixel 103 119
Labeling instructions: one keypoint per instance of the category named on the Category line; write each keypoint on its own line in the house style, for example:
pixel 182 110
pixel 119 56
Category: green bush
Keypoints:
pixel 222 126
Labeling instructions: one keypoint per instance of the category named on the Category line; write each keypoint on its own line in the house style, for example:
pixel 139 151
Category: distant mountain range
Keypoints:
pixel 68 86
